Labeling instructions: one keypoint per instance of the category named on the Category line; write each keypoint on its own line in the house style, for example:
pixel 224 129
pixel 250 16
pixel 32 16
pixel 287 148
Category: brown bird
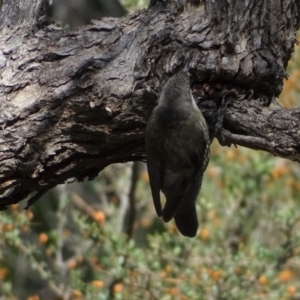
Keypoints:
pixel 177 146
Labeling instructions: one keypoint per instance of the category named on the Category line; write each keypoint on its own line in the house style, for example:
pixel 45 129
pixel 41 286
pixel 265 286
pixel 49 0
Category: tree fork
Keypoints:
pixel 75 101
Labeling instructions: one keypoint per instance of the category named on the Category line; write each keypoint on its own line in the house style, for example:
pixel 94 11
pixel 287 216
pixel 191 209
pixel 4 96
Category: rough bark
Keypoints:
pixel 73 102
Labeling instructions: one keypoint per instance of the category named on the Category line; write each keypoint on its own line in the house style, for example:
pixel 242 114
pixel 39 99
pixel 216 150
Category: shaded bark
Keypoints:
pixel 79 12
pixel 75 101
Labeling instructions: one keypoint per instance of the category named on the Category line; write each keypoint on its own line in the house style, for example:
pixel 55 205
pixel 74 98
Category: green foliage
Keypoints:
pixel 247 246
pixel 134 5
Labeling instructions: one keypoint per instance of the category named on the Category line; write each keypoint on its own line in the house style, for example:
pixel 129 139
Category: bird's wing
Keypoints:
pixel 155 178
pixel 187 221
pixel 182 188
pixel 154 164
pixel 174 187
pixel 186 217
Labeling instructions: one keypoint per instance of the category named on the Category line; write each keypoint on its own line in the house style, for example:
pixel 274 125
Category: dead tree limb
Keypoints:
pixel 75 101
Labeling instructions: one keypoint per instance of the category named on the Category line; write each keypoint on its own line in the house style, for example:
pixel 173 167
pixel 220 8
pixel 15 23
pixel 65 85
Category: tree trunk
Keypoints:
pixel 75 101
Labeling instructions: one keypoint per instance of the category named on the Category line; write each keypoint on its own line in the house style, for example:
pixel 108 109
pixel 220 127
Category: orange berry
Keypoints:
pixel 43 238
pixel 99 216
pixel 218 275
pixel 168 268
pixel 213 172
pixel 72 264
pixel 144 176
pixel 174 291
pixel 98 283
pixel 94 259
pixel 14 207
pixel 263 280
pixel 33 297
pixel 80 259
pixel 291 290
pixel 215 275
pixel 279 171
pixel 230 154
pixel 3 273
pixel 296 73
pixel 145 222
pixel 25 228
pixel 285 275
pixel 117 288
pixel 173 228
pixel 28 214
pixel 293 184
pixel 163 274
pixel 7 227
pixel 212 214
pixel 204 234
pixel 76 294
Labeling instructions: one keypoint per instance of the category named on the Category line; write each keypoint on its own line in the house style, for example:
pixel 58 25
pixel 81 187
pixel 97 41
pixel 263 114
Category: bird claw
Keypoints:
pixel 222 139
pixel 221 112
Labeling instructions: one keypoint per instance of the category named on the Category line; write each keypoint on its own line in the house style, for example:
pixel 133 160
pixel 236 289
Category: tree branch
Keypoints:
pixel 22 13
pixel 73 102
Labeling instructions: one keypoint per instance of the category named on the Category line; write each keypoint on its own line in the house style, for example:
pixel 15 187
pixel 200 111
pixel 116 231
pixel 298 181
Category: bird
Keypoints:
pixel 177 150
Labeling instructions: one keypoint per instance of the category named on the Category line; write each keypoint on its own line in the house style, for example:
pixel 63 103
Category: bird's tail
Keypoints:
pixel 187 221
